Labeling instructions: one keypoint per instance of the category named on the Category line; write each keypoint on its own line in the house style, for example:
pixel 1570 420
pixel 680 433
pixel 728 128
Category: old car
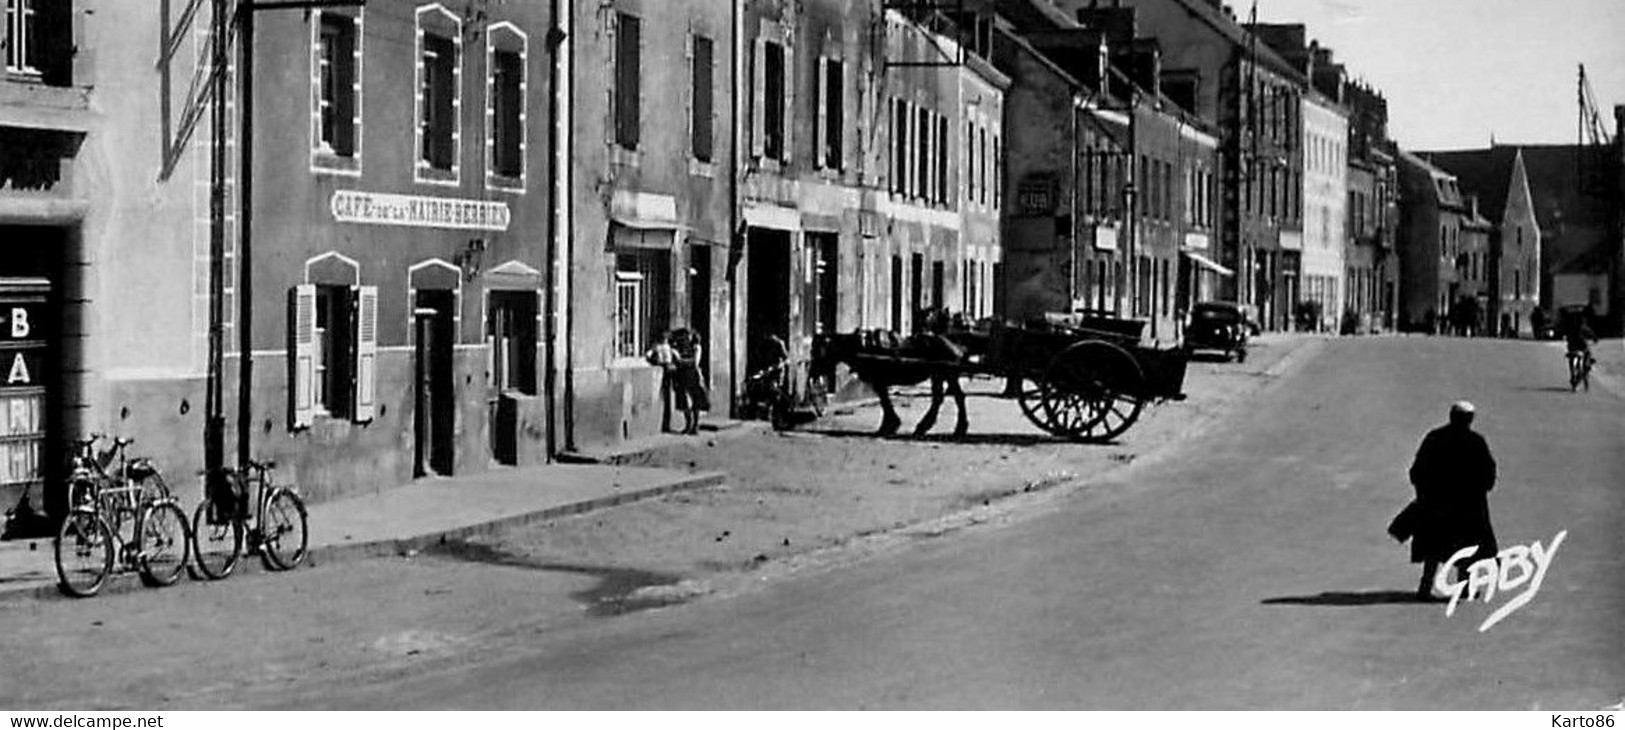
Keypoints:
pixel 1218 326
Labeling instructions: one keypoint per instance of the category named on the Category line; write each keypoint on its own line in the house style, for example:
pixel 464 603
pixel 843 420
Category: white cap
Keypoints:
pixel 1462 406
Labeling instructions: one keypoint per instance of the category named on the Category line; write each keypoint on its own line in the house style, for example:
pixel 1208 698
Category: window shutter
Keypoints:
pixel 758 116
pixel 820 121
pixel 53 42
pixel 366 352
pixel 789 116
pixel 301 355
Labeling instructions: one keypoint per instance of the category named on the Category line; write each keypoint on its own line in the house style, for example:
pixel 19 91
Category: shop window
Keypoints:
pixel 511 329
pixel 333 345
pixel 336 110
pixel 642 286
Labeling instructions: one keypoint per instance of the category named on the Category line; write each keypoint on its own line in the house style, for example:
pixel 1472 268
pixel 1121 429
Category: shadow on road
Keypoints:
pixel 1348 598
pixel 1543 389
pixel 984 439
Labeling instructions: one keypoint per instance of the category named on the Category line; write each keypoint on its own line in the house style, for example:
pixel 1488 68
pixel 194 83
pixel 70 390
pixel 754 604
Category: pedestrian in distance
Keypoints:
pixel 688 383
pixel 1453 474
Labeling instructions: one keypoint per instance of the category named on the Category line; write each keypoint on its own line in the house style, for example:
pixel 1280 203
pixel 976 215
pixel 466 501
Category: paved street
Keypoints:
pixel 1246 568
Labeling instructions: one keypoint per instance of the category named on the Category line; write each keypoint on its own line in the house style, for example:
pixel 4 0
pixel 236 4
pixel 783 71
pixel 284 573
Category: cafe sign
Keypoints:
pixel 419 211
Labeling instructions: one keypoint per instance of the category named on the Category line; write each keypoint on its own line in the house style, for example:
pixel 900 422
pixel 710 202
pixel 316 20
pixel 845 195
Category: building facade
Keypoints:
pixel 1429 241
pixel 1371 273
pixel 651 186
pixel 1497 177
pixel 1325 211
pixel 400 305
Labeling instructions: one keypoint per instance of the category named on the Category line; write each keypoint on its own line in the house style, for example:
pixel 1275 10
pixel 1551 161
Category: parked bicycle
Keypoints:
pixel 278 531
pixel 121 515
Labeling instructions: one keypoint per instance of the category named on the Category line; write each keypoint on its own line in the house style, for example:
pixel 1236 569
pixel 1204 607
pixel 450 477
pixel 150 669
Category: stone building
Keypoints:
pixel 1497 177
pixel 1371 270
pixel 1432 214
pixel 651 214
pixel 1251 97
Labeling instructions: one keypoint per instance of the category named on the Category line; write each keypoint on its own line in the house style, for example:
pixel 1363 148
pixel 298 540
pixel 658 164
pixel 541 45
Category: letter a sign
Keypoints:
pixel 19 371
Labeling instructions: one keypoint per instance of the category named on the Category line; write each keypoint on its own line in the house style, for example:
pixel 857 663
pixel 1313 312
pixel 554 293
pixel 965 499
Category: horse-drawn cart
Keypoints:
pixel 1084 377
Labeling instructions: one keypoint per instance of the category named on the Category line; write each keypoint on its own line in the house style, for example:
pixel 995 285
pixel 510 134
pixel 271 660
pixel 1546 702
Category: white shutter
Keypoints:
pixel 758 97
pixel 789 116
pixel 819 133
pixel 366 352
pixel 302 355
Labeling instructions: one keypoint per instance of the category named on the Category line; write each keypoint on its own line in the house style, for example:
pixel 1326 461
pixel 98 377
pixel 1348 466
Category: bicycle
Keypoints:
pixel 1579 370
pixel 279 532
pixel 88 547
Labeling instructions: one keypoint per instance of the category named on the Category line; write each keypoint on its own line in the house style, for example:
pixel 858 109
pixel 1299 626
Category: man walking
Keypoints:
pixel 1453 475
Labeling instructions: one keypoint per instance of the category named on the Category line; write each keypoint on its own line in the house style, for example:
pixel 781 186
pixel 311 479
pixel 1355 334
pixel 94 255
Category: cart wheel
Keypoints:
pixel 1091 391
pixel 1031 400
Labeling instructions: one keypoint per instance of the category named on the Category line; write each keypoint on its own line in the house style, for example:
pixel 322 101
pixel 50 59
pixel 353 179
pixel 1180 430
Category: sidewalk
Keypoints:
pixel 413 516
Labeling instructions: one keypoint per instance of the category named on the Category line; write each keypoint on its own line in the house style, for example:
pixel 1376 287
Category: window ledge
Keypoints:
pixel 327 162
pixel 624 157
pixel 707 170
pixel 423 173
pixel 505 184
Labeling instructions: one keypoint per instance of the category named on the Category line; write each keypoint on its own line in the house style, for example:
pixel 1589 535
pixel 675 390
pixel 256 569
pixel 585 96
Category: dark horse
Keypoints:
pixel 881 360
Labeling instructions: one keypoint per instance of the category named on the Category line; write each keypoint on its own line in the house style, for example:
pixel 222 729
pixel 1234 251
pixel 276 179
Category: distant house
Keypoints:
pixel 1430 239
pixel 1497 177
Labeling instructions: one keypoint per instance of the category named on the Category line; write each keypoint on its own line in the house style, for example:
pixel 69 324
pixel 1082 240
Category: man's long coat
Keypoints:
pixel 1453 475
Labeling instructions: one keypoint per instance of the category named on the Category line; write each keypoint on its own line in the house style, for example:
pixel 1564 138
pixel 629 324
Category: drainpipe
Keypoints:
pixel 735 231
pixel 245 251
pixel 559 355
pixel 1072 216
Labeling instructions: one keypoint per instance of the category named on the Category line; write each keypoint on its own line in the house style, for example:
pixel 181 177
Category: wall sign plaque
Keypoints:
pixel 351 206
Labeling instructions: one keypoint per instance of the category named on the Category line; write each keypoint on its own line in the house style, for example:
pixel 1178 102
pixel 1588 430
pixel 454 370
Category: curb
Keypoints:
pixel 128 582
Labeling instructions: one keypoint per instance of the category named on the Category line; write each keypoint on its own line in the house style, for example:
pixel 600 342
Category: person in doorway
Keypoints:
pixel 688 383
pixel 1453 474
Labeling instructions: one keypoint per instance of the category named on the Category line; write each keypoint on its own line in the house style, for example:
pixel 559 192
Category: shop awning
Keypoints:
pixel 1208 263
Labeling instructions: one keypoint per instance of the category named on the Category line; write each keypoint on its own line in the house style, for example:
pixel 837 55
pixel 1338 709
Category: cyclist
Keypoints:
pixel 1579 336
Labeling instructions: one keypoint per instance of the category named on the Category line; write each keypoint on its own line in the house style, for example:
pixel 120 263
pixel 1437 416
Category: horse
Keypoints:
pixel 881 360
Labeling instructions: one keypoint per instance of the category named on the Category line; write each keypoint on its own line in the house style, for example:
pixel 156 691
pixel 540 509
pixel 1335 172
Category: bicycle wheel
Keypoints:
pixel 84 553
pixel 216 546
pixel 283 531
pixel 162 544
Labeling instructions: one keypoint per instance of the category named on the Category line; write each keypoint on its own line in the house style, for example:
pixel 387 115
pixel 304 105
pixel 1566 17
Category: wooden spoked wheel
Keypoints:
pixel 1031 400
pixel 1090 391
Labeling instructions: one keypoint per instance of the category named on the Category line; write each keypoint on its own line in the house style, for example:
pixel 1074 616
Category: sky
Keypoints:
pixel 1456 72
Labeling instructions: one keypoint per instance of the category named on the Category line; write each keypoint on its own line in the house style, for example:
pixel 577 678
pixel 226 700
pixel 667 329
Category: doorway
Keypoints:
pixel 767 307
pixel 434 412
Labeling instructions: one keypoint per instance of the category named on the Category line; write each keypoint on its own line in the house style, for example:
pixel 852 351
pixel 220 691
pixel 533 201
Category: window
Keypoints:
pixel 511 328
pixel 333 344
pixel 899 147
pixel 942 160
pixel 505 94
pixel 642 279
pixel 702 135
pixel 970 160
pixel 22 44
pixel 831 113
pixel 337 107
pixel 628 87
pixel 998 173
pixel 38 40
pixel 773 101
pixel 922 154
pixel 439 76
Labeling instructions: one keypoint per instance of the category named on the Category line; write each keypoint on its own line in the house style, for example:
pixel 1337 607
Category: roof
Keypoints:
pixel 1485 172
pixel 1238 36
